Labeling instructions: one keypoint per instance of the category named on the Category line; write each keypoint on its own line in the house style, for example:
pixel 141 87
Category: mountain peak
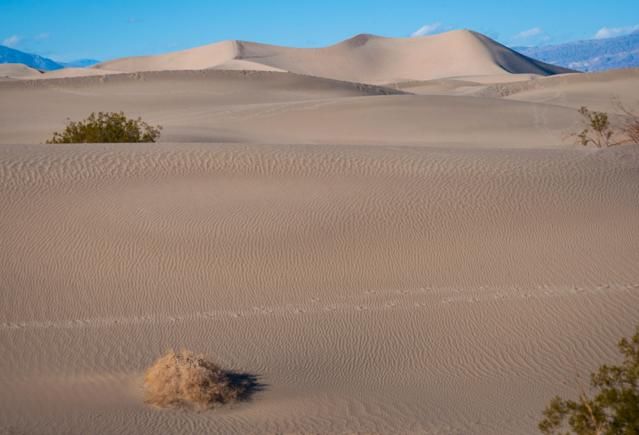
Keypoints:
pixel 11 55
pixel 591 54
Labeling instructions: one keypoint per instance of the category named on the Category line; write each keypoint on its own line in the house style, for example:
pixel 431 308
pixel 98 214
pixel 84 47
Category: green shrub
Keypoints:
pixel 614 409
pixel 107 128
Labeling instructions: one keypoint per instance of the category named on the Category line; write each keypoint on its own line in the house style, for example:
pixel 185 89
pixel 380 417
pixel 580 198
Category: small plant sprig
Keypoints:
pixel 597 129
pixel 630 126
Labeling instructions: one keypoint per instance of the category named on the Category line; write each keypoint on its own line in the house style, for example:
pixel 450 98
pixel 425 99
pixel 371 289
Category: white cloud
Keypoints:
pixel 41 36
pixel 611 32
pixel 530 33
pixel 11 41
pixel 427 29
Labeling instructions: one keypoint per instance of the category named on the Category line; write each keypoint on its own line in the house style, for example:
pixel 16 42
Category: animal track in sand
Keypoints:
pixel 410 299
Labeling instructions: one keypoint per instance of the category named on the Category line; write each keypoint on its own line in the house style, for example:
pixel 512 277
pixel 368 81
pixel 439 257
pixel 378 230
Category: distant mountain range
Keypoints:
pixel 590 55
pixel 11 55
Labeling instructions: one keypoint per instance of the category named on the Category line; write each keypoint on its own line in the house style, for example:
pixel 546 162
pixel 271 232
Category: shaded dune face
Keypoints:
pixel 363 58
pixel 516 63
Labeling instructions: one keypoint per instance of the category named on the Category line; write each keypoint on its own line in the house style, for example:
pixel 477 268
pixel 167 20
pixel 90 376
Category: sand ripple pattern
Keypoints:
pixel 373 289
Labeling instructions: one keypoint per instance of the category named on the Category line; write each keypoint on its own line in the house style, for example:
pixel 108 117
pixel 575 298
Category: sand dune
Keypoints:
pixel 372 289
pixel 271 107
pixel 363 58
pixel 595 90
pixel 208 56
pixel 74 72
pixel 244 65
pixel 17 71
pixel 468 85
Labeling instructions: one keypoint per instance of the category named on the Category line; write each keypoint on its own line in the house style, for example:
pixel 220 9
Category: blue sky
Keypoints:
pixel 72 29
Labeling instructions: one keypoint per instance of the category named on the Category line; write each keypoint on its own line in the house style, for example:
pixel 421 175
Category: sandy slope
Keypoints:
pixel 271 107
pixel 276 107
pixel 595 90
pixel 378 289
pixel 74 72
pixel 363 58
pixel 17 71
pixel 484 85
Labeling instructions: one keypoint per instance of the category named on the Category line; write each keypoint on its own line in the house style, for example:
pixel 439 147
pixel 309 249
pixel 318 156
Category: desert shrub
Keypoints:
pixel 614 408
pixel 107 128
pixel 597 129
pixel 183 379
pixel 632 130
pixel 630 125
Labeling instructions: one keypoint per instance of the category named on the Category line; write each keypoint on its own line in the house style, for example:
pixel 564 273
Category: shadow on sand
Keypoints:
pixel 246 384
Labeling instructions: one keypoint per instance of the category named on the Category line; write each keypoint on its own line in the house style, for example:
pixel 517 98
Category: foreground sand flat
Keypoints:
pixel 372 289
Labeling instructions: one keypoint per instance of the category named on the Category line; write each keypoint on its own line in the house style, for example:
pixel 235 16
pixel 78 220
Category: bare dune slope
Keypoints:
pixel 372 289
pixel 272 107
pixel 363 58
pixel 598 91
pixel 17 71
pixel 595 90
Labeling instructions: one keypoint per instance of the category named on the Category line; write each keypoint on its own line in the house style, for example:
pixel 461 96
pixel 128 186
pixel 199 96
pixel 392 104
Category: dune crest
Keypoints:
pixel 362 58
pixel 17 70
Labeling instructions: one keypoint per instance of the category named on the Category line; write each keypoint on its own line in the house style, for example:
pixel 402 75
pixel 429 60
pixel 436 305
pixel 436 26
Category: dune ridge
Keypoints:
pixel 363 58
pixel 17 70
pixel 596 90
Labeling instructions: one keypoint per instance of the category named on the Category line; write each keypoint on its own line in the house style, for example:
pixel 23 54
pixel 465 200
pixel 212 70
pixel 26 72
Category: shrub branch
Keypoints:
pixel 612 409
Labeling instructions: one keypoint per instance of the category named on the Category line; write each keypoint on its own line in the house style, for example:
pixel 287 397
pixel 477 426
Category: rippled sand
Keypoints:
pixel 372 289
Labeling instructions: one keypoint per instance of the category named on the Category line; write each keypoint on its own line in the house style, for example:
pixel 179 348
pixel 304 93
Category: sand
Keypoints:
pixel 381 261
pixel 278 108
pixel 363 58
pixel 17 71
pixel 598 91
